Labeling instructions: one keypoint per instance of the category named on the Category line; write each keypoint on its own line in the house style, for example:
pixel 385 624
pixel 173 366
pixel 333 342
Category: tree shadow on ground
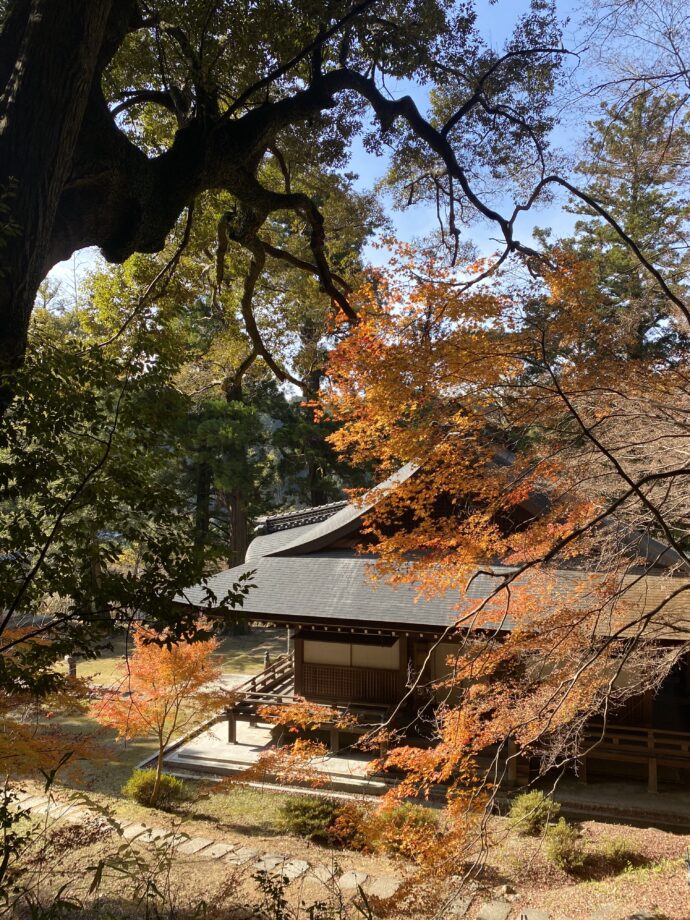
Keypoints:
pixel 258 829
pixel 598 867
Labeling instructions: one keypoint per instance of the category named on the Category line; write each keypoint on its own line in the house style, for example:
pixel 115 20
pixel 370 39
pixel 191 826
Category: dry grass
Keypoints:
pixel 655 881
pixel 250 817
pixel 242 654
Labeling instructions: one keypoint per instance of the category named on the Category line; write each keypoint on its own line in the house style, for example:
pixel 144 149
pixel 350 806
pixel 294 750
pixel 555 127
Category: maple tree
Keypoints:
pixel 537 447
pixel 165 689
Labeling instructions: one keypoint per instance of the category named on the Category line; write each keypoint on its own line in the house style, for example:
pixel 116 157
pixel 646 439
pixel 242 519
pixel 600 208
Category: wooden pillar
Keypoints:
pixel 334 740
pixel 652 782
pixel 298 664
pixel 232 727
pixel 402 666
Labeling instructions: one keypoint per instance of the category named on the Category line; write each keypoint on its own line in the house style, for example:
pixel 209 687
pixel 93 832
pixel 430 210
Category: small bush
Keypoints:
pixel 531 812
pixel 309 817
pixel 407 830
pixel 349 829
pixel 564 847
pixel 140 788
pixel 618 854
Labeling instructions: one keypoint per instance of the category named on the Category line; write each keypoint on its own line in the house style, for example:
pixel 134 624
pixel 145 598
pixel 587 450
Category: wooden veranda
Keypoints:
pixel 650 747
pixel 275 686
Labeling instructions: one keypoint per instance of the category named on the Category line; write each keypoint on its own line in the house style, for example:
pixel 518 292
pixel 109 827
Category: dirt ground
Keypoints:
pixel 656 881
pixel 516 868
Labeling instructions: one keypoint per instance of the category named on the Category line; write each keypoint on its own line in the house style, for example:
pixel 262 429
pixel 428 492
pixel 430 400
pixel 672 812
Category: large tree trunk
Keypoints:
pixel 70 178
pixel 49 54
pixel 239 529
pixel 204 481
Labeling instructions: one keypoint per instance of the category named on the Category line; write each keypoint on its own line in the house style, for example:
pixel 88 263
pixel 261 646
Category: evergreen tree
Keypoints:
pixel 638 163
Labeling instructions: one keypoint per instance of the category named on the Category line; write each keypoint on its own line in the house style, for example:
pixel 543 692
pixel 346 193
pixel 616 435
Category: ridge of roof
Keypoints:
pixel 346 519
pixel 287 520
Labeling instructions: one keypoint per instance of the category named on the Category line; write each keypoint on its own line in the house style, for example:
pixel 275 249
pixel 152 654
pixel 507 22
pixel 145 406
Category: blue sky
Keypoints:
pixel 496 21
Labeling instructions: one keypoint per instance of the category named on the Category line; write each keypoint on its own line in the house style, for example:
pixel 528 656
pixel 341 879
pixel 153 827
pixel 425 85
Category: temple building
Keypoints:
pixel 362 645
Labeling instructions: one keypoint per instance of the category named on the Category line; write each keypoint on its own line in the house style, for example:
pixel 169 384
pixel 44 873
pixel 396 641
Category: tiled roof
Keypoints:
pixel 333 587
pixel 327 587
pixel 300 578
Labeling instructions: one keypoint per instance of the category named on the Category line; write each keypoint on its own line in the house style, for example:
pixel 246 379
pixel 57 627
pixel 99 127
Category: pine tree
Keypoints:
pixel 637 162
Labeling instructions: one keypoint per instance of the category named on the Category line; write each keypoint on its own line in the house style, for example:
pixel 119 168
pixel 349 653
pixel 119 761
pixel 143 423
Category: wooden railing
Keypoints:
pixel 651 746
pixel 349 685
pixel 275 676
pixel 640 740
pixel 273 686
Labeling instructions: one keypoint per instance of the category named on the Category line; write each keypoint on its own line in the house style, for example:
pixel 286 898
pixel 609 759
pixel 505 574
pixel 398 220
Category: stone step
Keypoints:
pixel 494 910
pixel 327 875
pixel 240 856
pixel 33 802
pixel 134 831
pixel 218 850
pixel 350 881
pixel 268 863
pixel 294 869
pixel 458 906
pixel 42 807
pixel 154 835
pixel 60 809
pixel 193 845
pixel 383 887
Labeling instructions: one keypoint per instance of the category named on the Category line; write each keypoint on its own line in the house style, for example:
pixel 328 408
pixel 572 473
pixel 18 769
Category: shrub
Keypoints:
pixel 349 829
pixel 309 817
pixel 564 847
pixel 407 830
pixel 531 812
pixel 140 788
pixel 618 854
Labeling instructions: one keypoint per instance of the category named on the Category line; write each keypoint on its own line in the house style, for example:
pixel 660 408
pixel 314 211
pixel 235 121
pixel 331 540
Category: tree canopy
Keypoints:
pixel 164 102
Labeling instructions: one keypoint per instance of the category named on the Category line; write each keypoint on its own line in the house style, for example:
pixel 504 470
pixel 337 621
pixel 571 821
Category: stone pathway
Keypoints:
pixel 349 883
pixel 220 850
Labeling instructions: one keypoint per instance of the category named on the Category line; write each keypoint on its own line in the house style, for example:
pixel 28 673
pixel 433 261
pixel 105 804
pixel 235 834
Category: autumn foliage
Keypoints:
pixel 543 455
pixel 303 715
pixel 31 738
pixel 165 689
